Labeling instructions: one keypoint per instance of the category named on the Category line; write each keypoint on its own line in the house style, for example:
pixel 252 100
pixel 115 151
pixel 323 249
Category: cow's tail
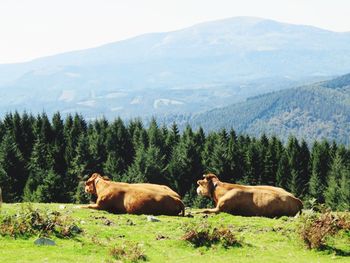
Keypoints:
pixel 182 208
pixel 300 206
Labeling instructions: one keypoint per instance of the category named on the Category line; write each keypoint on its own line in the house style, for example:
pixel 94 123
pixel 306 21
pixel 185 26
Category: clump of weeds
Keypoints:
pixel 30 222
pixel 204 234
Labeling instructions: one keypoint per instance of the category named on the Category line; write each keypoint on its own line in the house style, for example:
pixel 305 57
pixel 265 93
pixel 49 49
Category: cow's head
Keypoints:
pixel 207 185
pixel 90 184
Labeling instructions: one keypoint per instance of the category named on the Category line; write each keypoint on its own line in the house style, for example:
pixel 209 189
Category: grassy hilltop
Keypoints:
pixel 261 239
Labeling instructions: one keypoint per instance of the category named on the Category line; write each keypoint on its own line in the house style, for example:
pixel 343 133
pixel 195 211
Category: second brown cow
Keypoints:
pixel 244 200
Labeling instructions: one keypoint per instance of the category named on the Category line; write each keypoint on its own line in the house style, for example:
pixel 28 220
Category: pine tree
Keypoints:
pixel 12 170
pixel 73 128
pixel 293 153
pixel 270 165
pixel 304 170
pixel 138 134
pixel 27 136
pixel 155 137
pixel 50 187
pixel 172 139
pixel 221 164
pixel 185 166
pixel 2 130
pixel 114 167
pixel 199 138
pixel 119 149
pixel 319 170
pixel 148 167
pixel 332 191
pixel 344 189
pixel 283 172
pixel 235 157
pixel 81 165
pixel 97 144
pixel 58 149
pixel 42 178
pixel 254 165
pixel 43 129
pixel 207 152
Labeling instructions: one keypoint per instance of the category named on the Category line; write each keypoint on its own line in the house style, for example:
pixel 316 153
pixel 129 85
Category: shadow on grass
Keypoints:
pixel 336 251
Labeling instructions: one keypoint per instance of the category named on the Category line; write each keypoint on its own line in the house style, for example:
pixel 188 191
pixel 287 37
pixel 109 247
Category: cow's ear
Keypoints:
pixel 207 176
pixel 95 175
pixel 210 177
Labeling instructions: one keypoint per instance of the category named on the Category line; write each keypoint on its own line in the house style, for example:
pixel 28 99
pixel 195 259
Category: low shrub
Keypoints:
pixel 128 252
pixel 206 235
pixel 315 228
pixel 29 222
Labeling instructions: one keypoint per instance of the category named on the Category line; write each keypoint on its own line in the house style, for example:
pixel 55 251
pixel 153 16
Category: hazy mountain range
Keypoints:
pixel 184 72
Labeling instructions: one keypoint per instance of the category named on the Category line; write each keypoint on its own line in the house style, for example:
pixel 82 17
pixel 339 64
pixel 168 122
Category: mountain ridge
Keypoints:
pixel 185 71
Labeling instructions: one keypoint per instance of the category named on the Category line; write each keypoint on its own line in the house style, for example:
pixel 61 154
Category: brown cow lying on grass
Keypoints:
pixel 243 200
pixel 118 197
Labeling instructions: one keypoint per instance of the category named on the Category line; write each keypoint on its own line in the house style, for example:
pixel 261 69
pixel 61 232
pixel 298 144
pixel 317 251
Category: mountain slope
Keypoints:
pixel 317 111
pixel 185 71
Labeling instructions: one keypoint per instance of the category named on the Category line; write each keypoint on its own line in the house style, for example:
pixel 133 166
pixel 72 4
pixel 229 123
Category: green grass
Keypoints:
pixel 263 239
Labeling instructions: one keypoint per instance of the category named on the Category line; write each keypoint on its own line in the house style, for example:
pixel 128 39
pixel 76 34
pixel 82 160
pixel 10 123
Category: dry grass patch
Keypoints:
pixel 128 252
pixel 316 228
pixel 204 234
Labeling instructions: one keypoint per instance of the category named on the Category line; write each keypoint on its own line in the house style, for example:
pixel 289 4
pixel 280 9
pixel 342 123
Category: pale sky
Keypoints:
pixel 36 28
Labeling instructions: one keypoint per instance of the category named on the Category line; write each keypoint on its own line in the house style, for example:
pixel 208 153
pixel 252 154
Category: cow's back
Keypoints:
pixel 147 201
pixel 257 201
pixel 158 188
pixel 274 204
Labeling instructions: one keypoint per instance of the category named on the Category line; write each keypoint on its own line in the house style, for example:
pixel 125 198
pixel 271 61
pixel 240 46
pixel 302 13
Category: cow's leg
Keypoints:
pixel 91 206
pixel 215 210
pixel 222 206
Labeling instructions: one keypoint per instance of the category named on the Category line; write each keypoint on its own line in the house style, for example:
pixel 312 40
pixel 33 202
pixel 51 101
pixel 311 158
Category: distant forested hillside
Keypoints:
pixel 313 112
pixel 44 160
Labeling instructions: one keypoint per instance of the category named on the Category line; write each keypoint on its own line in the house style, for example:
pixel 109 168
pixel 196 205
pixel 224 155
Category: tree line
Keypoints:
pixel 45 160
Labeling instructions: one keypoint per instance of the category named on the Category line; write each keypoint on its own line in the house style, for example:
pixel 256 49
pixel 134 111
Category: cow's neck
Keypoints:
pixel 100 184
pixel 218 192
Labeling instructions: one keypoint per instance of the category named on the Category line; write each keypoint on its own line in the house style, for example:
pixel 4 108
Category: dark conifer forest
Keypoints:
pixel 45 159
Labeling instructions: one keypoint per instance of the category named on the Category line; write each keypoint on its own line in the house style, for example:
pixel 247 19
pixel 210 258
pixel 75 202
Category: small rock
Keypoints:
pixel 62 207
pixel 82 222
pixel 43 241
pixel 152 219
pixel 108 222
